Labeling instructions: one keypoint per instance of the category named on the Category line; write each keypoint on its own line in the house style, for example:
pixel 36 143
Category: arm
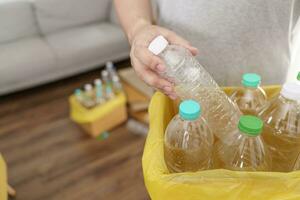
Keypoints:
pixel 137 21
pixel 133 15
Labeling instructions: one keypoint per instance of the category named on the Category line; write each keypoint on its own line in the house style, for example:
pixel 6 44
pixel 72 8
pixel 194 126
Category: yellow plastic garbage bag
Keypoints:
pixel 217 184
pixel 3 179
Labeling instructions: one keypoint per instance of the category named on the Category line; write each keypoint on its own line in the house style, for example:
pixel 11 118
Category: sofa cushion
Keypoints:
pixel 87 45
pixel 53 15
pixel 16 20
pixel 23 62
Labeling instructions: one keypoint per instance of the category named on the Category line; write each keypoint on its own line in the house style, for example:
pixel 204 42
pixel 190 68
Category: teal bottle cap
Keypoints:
pixel 77 92
pixel 250 125
pixel 251 80
pixel 189 110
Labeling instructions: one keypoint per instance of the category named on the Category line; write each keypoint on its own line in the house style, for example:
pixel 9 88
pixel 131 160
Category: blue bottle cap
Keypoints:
pixel 251 80
pixel 189 110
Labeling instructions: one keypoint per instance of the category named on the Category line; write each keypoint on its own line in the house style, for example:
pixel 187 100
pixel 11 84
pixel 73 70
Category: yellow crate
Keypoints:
pixel 100 118
pixel 218 184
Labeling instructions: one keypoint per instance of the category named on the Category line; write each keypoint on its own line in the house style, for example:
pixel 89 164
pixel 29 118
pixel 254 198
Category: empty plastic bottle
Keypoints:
pixel 107 83
pixel 297 164
pixel 89 97
pixel 78 95
pixel 110 68
pixel 188 141
pixel 117 85
pixel 246 150
pixel 99 91
pixel 251 98
pixel 137 127
pixel 192 81
pixel 282 127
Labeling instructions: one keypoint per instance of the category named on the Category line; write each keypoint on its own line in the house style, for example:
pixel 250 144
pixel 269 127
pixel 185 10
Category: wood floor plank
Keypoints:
pixel 50 157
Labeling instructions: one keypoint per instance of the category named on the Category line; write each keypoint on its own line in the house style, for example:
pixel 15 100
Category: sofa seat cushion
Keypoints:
pixel 23 62
pixel 87 45
pixel 17 20
pixel 54 15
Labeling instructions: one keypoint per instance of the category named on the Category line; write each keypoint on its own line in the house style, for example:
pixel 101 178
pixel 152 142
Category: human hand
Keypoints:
pixel 146 64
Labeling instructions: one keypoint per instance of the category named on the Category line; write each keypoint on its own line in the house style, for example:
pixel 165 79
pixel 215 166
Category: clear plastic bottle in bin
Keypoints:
pixel 246 150
pixel 282 127
pixel 188 140
pixel 297 164
pixel 192 81
pixel 251 98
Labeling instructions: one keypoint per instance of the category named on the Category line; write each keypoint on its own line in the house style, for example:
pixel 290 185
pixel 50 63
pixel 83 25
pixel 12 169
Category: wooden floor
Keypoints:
pixel 49 157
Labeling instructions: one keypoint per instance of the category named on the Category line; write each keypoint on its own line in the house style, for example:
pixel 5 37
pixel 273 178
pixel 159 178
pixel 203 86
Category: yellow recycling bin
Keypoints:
pixel 218 184
pixel 3 179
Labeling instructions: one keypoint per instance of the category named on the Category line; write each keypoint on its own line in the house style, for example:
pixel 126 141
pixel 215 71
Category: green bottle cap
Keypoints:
pixel 251 80
pixel 298 77
pixel 189 110
pixel 250 125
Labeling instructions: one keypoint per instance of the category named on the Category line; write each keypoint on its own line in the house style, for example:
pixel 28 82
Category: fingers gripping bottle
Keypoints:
pixel 282 127
pixel 246 150
pixel 251 98
pixel 188 141
pixel 192 81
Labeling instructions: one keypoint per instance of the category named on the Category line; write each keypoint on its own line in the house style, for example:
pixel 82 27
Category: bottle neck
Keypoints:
pixel 248 135
pixel 163 53
pixel 173 55
pixel 251 87
pixel 287 100
pixel 188 120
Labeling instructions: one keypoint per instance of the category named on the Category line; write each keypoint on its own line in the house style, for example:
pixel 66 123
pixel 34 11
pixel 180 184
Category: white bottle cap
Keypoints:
pixel 88 87
pixel 97 81
pixel 115 79
pixel 158 44
pixel 104 73
pixel 291 91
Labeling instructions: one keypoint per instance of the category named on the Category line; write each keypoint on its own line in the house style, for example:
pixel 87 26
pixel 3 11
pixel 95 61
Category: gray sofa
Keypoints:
pixel 44 40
